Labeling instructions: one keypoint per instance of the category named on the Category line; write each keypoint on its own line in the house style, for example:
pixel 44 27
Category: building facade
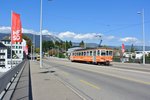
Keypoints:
pixel 5 54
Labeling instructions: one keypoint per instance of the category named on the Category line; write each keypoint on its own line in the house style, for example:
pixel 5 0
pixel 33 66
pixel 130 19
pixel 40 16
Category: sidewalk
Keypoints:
pixel 46 86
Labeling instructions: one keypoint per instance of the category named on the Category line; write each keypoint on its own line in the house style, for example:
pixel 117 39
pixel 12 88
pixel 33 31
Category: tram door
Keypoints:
pixel 94 56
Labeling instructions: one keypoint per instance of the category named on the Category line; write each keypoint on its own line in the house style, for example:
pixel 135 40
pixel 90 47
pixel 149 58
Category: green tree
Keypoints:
pixel 67 45
pixel 70 43
pixel 57 44
pixel 132 48
pixel 28 42
pixel 81 44
pixel 44 46
pixel 37 50
pixel 126 50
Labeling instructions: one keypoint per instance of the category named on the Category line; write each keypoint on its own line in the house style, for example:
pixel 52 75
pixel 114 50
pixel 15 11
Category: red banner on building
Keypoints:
pixel 123 48
pixel 16 28
pixel 25 49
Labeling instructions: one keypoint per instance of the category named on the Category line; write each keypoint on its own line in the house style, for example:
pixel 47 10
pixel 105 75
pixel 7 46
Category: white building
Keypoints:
pixel 17 52
pixel 3 57
pixel 139 54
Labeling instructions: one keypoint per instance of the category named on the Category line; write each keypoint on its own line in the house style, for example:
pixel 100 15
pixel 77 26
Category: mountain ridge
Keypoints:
pixel 75 44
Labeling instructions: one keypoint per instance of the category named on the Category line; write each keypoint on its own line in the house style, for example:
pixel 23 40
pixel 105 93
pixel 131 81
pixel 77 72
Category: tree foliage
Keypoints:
pixel 81 44
pixel 61 46
pixel 28 41
pixel 132 48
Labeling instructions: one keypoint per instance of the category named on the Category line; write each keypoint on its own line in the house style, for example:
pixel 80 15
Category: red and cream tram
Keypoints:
pixel 96 55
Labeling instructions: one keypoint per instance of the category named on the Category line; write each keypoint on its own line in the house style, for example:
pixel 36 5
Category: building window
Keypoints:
pixel 16 51
pixel 2 50
pixel 20 51
pixel 2 56
pixel 9 62
pixel 2 63
pixel 20 47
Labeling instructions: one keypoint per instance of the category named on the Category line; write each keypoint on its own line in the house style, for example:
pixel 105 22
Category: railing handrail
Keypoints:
pixel 7 76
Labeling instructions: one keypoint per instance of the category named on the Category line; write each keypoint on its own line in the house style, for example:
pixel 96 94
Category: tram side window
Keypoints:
pixel 75 54
pixel 103 53
pixel 87 53
pixel 107 53
pixel 98 52
pixel 110 53
pixel 84 53
pixel 90 53
pixel 79 53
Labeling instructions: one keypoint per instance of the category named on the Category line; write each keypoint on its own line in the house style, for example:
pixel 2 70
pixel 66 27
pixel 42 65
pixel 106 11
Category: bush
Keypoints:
pixel 116 59
pixel 147 60
pixel 60 55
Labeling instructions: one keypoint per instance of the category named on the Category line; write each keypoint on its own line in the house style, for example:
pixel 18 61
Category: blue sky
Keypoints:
pixel 116 21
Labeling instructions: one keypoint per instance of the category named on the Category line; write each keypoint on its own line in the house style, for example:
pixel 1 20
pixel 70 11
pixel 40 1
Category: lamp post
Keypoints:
pixel 41 35
pixel 143 32
pixel 99 36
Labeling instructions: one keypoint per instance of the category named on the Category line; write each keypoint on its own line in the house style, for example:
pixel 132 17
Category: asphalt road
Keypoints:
pixel 100 82
pixel 1 73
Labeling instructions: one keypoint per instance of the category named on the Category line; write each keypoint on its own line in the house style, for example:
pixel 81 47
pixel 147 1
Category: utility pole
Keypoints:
pixel 143 32
pixel 41 35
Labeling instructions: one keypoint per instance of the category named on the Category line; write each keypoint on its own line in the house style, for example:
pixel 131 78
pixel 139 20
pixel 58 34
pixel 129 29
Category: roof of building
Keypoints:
pixel 2 45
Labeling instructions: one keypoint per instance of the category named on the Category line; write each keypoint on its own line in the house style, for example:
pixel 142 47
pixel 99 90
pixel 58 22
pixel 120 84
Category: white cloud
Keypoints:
pixel 46 32
pixel 77 36
pixel 86 36
pixel 67 34
pixel 129 39
pixel 110 37
pixel 4 29
pixel 27 31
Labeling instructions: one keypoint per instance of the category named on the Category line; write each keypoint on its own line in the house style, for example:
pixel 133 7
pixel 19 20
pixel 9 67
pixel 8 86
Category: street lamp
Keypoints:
pixel 41 35
pixel 143 32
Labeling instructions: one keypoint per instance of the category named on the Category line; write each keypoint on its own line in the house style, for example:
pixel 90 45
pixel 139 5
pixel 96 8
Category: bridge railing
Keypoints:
pixel 7 78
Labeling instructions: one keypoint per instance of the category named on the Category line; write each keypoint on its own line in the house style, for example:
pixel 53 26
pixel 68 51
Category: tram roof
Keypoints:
pixel 94 49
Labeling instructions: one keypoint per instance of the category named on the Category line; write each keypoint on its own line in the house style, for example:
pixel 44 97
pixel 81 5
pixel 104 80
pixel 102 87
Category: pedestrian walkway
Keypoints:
pixel 46 86
pixel 23 89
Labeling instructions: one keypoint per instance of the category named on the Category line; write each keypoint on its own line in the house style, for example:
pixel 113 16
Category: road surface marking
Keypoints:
pixel 113 75
pixel 127 70
pixel 65 73
pixel 90 84
pixel 125 78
